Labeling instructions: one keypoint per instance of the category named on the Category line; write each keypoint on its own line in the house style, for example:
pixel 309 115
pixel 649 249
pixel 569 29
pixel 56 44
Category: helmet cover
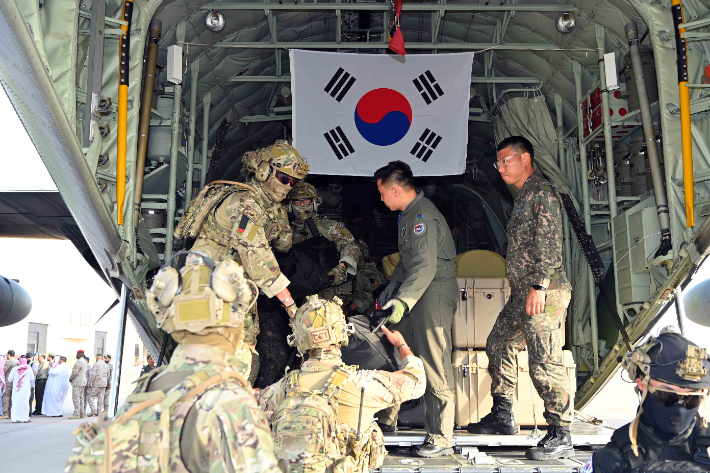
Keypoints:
pixel 319 323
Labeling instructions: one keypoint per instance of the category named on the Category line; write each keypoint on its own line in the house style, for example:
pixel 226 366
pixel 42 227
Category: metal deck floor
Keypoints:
pixel 489 460
pixel 582 435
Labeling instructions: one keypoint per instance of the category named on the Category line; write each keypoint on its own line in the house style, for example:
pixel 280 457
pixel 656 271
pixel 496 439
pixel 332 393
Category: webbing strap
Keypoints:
pixel 335 381
pixel 313 227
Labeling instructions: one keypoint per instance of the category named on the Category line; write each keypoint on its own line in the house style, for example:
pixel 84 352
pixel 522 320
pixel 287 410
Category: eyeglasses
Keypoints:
pixel 670 398
pixel 285 179
pixel 499 164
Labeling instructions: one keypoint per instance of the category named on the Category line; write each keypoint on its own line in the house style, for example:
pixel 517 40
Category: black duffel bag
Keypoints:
pixel 368 348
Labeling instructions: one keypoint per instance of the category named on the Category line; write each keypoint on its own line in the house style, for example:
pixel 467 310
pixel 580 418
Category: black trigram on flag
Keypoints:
pixel 339 142
pixel 426 145
pixel 427 86
pixel 339 84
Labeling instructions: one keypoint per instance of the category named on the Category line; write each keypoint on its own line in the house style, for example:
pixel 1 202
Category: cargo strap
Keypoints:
pixel 313 227
pixel 594 260
pixel 202 380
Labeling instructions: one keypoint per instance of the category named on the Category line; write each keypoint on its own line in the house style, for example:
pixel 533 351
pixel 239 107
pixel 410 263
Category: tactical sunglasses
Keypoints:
pixel 670 398
pixel 285 179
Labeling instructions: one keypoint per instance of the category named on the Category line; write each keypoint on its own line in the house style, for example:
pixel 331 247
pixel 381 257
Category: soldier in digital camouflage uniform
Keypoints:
pixel 78 380
pixel 319 328
pixel 197 413
pixel 97 385
pixel 534 316
pixel 247 223
pixel 304 202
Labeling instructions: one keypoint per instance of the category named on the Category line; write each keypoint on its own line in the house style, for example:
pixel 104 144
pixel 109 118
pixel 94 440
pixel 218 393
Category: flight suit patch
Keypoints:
pixel 252 214
pixel 419 229
pixel 403 230
pixel 419 216
pixel 589 467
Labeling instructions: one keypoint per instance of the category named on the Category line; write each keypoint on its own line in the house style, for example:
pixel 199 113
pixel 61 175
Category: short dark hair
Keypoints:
pixel 63 358
pixel 29 355
pixel 396 172
pixel 520 144
pixel 11 352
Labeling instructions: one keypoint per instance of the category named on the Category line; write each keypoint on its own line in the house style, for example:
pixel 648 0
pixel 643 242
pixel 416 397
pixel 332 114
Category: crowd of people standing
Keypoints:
pixel 38 384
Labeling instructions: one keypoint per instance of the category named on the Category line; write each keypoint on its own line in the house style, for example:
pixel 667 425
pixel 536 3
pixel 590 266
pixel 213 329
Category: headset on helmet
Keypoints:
pixel 202 295
pixel 302 191
pixel 280 155
pixel 319 323
pixel 670 358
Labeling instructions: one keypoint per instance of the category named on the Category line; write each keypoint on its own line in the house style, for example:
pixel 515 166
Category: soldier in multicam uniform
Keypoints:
pixel 78 380
pixel 304 202
pixel 535 313
pixel 198 412
pixel 352 442
pixel 97 385
pixel 245 221
pixel 367 281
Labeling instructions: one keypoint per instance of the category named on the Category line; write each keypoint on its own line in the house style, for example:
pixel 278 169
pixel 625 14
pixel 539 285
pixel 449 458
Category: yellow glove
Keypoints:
pixel 399 309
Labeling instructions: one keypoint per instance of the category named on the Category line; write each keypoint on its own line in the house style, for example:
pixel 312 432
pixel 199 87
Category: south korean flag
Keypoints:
pixel 354 113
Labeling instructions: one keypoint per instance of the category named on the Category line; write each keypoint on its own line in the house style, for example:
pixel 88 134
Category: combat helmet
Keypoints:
pixel 279 167
pixel 319 323
pixel 302 191
pixel 203 297
pixel 670 358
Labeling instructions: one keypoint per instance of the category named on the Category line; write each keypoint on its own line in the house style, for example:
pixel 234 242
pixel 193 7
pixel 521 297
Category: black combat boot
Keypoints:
pixel 499 421
pixel 556 444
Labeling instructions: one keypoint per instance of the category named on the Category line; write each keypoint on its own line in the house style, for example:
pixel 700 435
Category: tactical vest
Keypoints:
pixel 202 209
pixel 140 438
pixel 307 434
pixel 701 448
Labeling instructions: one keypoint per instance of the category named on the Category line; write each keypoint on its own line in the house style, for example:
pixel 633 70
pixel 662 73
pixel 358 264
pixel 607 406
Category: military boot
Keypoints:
pixel 499 421
pixel 556 444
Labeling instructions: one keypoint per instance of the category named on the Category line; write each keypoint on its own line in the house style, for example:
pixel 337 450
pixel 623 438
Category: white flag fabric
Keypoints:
pixel 354 113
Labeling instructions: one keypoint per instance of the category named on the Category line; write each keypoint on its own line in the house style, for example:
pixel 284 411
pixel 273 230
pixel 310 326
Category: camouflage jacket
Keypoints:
pixel 534 233
pixel 8 366
pixel 221 429
pixel 382 388
pixel 79 373
pixel 360 290
pixel 335 232
pixel 245 226
pixel 99 375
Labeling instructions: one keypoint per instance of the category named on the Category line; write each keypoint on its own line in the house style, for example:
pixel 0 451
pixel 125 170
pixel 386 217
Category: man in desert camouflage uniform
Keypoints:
pixel 10 363
pixel 535 313
pixel 320 329
pixel 304 202
pixel 97 385
pixel 107 393
pixel 247 223
pixel 78 380
pixel 197 413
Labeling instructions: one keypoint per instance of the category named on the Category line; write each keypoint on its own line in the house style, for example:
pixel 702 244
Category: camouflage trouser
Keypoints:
pixel 251 330
pixel 96 399
pixel 7 400
pixel 77 397
pixel 107 398
pixel 544 336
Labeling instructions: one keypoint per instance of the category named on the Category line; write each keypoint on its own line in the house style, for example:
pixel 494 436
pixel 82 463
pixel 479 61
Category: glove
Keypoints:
pixel 389 291
pixel 338 275
pixel 399 309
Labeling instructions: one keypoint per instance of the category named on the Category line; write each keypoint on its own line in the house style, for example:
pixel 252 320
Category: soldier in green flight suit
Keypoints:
pixel 424 286
pixel 535 313
pixel 246 222
pixel 197 413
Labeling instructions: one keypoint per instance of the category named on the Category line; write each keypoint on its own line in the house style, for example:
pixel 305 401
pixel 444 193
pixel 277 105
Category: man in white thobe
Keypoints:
pixel 23 379
pixel 57 389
